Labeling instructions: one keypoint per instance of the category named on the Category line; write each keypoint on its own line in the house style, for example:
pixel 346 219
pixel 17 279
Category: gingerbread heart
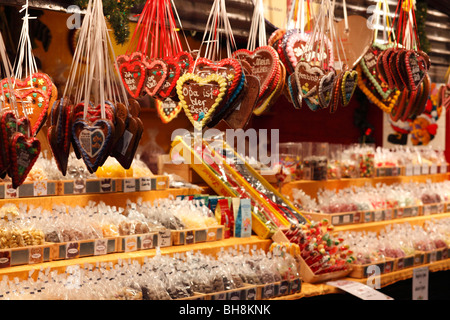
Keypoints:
pixel 326 89
pixel 296 97
pixel 37 80
pixel 156 75
pixel 416 69
pixel 369 69
pixel 264 63
pixel 34 102
pixel 228 68
pixel 174 73
pixel 275 38
pixel 348 86
pixel 185 61
pixel 395 67
pixel 126 147
pixel 297 49
pixel 8 127
pixel 308 80
pixel 367 87
pixel 93 140
pixel 425 94
pixel 445 95
pixel 24 153
pixel 168 109
pixel 133 74
pixel 336 98
pixel 200 96
pixel 263 105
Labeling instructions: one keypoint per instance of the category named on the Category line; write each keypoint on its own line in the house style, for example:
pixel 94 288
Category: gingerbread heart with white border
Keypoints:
pixel 200 96
pixel 133 75
pixel 156 75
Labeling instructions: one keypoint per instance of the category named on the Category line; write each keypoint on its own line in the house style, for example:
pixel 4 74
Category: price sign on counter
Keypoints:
pixel 129 185
pixel 420 284
pixel 359 290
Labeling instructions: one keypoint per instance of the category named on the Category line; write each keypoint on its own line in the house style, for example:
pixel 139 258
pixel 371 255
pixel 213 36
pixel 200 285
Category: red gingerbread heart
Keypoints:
pixel 264 63
pixel 156 75
pixel 24 153
pixel 132 73
pixel 174 72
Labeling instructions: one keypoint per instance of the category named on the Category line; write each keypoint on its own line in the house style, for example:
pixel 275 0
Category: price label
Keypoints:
pixel 408 170
pixel 359 290
pixel 100 247
pixel 416 170
pixel 420 284
pixel 433 168
pixel 425 169
pixel 129 185
pixel 147 241
pixel 130 243
pixel 10 192
pixel 39 188
pixel 145 184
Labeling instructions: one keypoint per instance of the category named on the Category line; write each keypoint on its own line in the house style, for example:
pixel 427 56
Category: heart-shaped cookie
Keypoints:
pixel 326 85
pixel 295 48
pixel 263 105
pixel 348 86
pixel 24 153
pixel 369 69
pixel 296 97
pixel 133 74
pixel 336 98
pixel 385 104
pixel 173 74
pixel 308 79
pixel 93 141
pixel 168 109
pixel 186 62
pixel 8 126
pixel 125 149
pixel 445 96
pixel 415 69
pixel 200 96
pixel 264 63
pixel 156 75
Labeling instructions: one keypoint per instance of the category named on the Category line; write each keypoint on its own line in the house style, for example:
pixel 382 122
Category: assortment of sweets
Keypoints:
pixel 45 168
pixel 320 250
pixel 397 241
pixel 162 277
pixel 369 198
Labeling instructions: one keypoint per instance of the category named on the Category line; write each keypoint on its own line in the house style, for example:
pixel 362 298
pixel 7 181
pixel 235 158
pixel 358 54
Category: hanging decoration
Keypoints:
pixel 214 88
pixel 94 114
pixel 35 88
pixel 155 59
pixel 19 148
pixel 263 61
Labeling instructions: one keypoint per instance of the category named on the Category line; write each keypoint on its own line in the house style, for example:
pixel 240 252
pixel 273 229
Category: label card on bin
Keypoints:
pixel 359 290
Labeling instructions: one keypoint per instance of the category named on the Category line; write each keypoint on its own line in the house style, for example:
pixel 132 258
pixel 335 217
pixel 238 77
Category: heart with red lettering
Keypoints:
pixel 264 63
pixel 200 96
pixel 156 75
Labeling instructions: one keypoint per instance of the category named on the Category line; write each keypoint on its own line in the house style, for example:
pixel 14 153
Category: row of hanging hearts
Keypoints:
pixel 314 83
pixel 208 91
pixel 396 80
pixel 20 124
pixel 94 138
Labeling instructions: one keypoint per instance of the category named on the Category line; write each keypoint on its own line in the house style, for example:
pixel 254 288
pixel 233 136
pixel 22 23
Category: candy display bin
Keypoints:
pixel 306 274
pixel 83 248
pixel 403 263
pixel 361 271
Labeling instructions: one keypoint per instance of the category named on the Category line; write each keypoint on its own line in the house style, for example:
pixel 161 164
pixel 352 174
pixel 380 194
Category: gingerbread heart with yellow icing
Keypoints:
pixel 37 92
pixel 200 96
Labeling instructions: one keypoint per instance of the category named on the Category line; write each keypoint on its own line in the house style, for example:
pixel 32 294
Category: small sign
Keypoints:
pixel 145 184
pixel 417 170
pixel 420 284
pixel 39 188
pixel 147 241
pixel 100 247
pixel 130 243
pixel 10 192
pixel 408 170
pixel 359 290
pixel 129 185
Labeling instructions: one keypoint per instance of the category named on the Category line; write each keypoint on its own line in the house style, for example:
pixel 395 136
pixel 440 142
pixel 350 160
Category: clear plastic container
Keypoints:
pixel 315 160
pixel 290 157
